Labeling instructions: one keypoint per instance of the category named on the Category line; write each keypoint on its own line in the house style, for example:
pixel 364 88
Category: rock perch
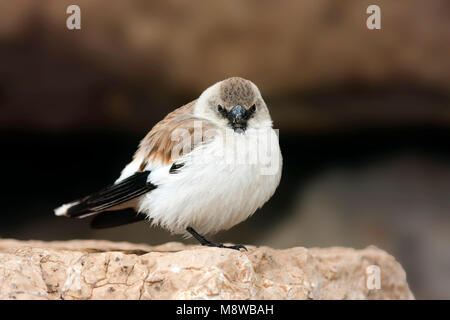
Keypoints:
pixel 89 269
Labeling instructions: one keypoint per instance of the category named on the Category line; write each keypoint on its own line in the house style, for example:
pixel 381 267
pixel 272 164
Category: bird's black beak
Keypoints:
pixel 238 118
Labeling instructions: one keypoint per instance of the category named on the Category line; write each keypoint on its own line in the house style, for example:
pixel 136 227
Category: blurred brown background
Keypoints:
pixel 364 116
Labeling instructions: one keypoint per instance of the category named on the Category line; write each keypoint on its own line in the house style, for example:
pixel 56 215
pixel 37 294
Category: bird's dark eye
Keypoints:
pixel 222 110
pixel 253 108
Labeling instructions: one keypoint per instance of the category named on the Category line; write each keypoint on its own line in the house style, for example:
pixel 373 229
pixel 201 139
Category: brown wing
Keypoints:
pixel 177 134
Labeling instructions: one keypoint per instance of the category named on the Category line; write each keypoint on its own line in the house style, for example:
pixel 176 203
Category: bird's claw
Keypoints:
pixel 237 247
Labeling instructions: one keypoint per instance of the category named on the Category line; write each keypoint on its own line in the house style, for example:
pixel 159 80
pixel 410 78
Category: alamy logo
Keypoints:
pixel 73 22
pixel 256 147
pixel 373 281
pixel 374 20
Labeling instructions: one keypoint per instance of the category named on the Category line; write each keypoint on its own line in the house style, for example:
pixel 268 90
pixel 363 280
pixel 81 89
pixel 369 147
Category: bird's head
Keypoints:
pixel 234 103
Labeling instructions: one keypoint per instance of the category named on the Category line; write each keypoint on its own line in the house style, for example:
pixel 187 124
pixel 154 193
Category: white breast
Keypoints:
pixel 220 185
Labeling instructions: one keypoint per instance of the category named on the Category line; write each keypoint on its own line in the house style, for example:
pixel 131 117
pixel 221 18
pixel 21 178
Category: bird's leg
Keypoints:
pixel 208 243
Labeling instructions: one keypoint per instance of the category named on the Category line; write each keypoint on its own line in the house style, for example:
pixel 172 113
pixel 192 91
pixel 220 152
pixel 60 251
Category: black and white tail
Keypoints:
pixel 108 198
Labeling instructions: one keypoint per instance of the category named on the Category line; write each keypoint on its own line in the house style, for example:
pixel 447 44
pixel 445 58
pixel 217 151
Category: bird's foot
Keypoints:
pixel 208 243
pixel 237 247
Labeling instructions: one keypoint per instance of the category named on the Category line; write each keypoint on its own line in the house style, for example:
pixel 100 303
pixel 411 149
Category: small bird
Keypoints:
pixel 205 167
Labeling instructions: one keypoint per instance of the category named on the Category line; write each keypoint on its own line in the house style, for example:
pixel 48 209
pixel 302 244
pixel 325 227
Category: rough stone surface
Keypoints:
pixel 88 269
